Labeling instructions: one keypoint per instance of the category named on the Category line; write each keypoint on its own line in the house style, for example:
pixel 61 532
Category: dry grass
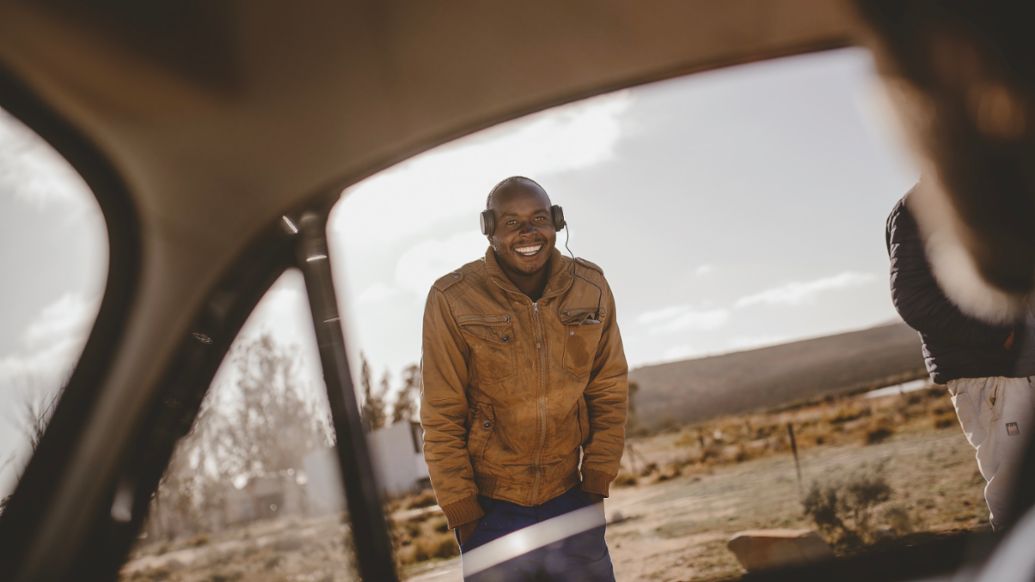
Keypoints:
pixel 422 537
pixel 830 422
pixel 702 483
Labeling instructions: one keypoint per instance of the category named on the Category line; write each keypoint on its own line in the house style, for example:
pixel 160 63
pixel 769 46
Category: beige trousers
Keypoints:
pixel 996 415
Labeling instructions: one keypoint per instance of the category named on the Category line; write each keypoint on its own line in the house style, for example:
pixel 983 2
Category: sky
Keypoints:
pixel 731 209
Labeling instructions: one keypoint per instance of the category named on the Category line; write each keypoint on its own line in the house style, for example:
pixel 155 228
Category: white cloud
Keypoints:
pixel 741 343
pixel 453 180
pixel 424 263
pixel 704 270
pixel 69 316
pixel 798 293
pixel 663 314
pixel 50 345
pixel 680 352
pixel 377 293
pixel 35 173
pixel 45 368
pixel 683 318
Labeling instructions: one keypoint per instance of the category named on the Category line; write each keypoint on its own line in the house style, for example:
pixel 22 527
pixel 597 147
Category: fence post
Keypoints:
pixel 797 463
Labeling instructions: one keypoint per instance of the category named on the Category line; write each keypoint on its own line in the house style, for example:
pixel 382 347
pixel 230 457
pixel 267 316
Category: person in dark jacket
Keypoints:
pixel 989 369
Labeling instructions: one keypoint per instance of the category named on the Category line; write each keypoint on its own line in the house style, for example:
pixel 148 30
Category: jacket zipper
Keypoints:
pixel 540 346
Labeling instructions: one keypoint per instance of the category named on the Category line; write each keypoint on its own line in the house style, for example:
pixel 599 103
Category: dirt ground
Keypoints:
pixel 693 491
pixel 678 529
pixel 685 494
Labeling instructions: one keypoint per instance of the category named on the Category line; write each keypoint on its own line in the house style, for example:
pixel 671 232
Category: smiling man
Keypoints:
pixel 525 390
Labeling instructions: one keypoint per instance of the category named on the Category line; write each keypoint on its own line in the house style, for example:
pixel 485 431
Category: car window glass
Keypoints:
pixel 53 257
pixel 253 492
pixel 739 217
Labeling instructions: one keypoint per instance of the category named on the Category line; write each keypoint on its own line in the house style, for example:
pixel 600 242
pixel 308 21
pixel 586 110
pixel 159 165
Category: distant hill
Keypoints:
pixel 764 378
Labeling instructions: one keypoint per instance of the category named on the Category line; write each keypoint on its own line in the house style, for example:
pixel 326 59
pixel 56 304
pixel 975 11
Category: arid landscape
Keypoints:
pixel 897 465
pixel 676 393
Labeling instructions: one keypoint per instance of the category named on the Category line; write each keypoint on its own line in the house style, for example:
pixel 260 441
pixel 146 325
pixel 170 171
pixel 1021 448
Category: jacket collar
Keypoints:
pixel 558 282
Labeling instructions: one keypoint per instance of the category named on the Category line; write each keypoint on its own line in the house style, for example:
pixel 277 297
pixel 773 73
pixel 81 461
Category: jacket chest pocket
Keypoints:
pixel 581 338
pixel 491 340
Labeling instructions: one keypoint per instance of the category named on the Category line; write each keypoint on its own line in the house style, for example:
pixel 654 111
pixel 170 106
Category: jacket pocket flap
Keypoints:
pixel 579 316
pixel 475 319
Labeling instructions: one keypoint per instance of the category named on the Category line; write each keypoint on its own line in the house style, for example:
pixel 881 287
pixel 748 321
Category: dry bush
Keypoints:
pixel 848 412
pixel 425 498
pixel 439 524
pixel 412 528
pixel 946 420
pixel 878 432
pixel 900 520
pixel 689 439
pixel 436 546
pixel 422 538
pixel 406 555
pixel 844 511
pixel 667 473
pixel 625 479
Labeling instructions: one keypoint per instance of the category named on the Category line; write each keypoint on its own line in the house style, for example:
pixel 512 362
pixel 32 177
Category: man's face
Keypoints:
pixel 524 237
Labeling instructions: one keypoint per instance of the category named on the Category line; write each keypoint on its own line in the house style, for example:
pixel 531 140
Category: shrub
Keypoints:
pixel 625 479
pixel 844 510
pixel 947 420
pixel 878 434
pixel 412 528
pixel 440 524
pixel 426 498
pixel 849 412
pixel 669 472
pixel 406 555
pixel 436 546
pixel 899 519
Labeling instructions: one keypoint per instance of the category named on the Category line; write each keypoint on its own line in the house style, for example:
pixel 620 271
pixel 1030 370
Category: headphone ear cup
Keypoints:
pixel 488 222
pixel 557 215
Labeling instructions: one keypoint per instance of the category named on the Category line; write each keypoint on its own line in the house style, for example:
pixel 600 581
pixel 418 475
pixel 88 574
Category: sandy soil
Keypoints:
pixel 674 524
pixel 677 530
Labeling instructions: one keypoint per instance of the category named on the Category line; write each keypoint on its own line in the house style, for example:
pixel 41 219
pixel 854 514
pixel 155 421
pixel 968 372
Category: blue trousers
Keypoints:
pixel 580 558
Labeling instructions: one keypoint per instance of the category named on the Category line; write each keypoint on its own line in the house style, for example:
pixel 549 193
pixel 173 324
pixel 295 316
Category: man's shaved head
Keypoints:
pixel 523 232
pixel 512 184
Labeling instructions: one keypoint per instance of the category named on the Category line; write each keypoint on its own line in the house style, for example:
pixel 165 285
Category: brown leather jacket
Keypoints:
pixel 513 389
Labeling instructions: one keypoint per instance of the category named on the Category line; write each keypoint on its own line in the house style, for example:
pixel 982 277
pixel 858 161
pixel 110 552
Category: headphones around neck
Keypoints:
pixel 488 220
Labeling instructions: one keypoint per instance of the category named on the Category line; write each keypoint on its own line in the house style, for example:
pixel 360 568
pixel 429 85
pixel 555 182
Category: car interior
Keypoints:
pixel 217 139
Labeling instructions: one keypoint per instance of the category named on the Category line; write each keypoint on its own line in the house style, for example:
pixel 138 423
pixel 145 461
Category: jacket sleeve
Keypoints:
pixel 916 295
pixel 443 413
pixel 607 398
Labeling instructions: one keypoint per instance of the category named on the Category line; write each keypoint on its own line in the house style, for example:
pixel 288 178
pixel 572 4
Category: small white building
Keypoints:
pixel 397 454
